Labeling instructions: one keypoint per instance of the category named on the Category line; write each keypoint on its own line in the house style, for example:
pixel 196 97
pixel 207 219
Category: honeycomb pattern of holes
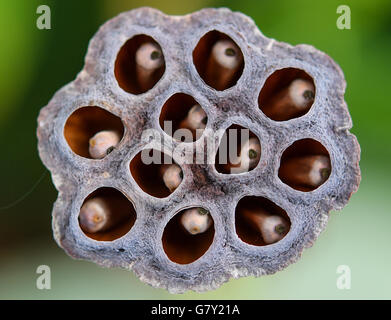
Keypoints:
pixel 305 165
pixel 148 173
pixel 223 72
pixel 106 215
pixel 84 123
pixel 132 76
pixel 287 93
pixel 235 156
pixel 256 220
pixel 183 247
pixel 176 111
pixel 162 277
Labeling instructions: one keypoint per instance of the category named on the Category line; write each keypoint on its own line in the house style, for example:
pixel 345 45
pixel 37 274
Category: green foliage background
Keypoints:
pixel 35 63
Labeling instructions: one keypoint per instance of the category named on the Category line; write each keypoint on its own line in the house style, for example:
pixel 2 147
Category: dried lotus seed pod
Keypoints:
pixel 290 97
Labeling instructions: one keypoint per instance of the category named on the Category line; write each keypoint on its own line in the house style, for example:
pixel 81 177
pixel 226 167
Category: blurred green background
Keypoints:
pixel 35 63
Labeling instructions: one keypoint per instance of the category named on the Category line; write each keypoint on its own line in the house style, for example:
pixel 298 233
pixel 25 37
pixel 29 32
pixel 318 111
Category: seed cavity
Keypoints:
pixel 287 94
pixel 218 60
pixel 188 235
pixel 260 222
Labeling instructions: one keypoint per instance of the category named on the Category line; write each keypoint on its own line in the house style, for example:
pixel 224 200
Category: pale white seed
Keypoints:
pixel 172 176
pixel 149 56
pixel 101 142
pixel 273 228
pixel 315 175
pixel 250 154
pixel 196 118
pixel 195 222
pixel 301 93
pixel 309 170
pixel 227 54
pixel 93 215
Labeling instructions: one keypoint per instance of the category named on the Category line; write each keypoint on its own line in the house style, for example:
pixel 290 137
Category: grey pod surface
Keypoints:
pixel 104 96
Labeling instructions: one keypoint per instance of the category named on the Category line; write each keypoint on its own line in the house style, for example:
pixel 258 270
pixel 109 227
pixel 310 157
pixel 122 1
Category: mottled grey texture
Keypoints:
pixel 75 177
